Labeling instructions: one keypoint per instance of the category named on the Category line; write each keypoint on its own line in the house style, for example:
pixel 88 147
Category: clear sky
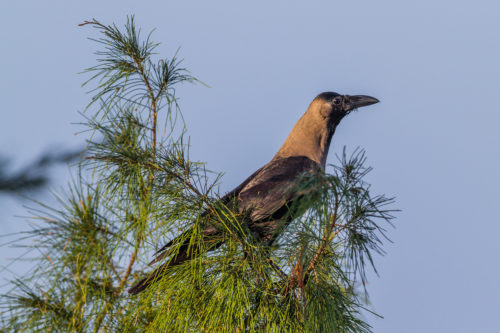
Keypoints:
pixel 433 140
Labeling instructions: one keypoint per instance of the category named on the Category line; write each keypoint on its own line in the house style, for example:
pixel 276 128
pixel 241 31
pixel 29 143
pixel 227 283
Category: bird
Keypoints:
pixel 265 196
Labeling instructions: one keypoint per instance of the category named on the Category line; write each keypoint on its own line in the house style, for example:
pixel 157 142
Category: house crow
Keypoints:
pixel 265 196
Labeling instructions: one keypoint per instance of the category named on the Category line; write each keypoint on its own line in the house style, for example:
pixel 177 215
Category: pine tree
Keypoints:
pixel 138 187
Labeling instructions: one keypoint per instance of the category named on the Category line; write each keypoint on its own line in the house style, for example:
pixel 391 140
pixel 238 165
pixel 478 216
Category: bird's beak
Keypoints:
pixel 358 101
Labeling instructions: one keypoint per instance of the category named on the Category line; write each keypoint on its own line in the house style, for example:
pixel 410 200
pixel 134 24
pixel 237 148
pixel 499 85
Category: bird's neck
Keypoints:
pixel 310 137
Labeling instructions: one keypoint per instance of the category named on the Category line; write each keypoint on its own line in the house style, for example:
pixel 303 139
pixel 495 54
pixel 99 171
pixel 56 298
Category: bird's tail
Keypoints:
pixel 144 283
pixel 185 253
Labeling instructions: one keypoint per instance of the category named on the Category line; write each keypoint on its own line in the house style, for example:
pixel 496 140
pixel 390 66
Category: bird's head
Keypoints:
pixel 312 134
pixel 334 106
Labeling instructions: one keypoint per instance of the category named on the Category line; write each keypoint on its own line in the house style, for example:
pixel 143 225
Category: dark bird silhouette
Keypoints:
pixel 265 196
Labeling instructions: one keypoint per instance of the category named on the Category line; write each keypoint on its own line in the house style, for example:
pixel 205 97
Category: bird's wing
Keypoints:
pixel 272 187
pixel 263 193
pixel 210 230
pixel 232 194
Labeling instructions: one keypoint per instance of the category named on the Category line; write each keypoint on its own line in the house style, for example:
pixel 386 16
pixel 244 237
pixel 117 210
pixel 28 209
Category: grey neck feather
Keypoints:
pixel 310 137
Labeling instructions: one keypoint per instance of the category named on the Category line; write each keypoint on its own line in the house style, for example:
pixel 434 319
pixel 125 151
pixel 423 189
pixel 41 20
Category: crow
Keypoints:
pixel 265 196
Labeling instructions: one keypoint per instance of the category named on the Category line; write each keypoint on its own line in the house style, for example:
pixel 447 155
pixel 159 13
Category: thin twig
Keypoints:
pixel 119 289
pixel 326 237
pixel 140 69
pixel 157 167
pixel 130 264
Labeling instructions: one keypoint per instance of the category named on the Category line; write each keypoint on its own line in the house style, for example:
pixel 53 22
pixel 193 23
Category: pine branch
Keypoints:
pixel 143 187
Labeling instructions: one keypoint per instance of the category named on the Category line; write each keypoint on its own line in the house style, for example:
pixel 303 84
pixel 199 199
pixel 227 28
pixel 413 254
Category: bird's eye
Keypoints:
pixel 336 101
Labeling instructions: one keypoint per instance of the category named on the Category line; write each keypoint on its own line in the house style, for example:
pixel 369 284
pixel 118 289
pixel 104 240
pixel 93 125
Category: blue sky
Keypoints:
pixel 433 140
